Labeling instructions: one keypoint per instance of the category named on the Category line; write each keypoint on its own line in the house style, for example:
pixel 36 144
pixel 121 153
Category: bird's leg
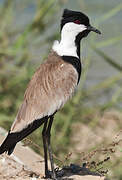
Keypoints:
pixel 49 147
pixel 45 147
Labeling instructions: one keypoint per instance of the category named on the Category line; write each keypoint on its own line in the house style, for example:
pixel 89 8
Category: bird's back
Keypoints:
pixel 50 87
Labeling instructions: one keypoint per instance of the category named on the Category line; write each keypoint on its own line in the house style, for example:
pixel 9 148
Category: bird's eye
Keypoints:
pixel 77 21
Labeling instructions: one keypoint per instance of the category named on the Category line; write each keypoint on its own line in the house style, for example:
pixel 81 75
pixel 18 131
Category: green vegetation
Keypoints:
pixel 21 46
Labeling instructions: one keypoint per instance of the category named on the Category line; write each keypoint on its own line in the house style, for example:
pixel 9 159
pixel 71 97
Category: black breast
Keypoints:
pixel 75 62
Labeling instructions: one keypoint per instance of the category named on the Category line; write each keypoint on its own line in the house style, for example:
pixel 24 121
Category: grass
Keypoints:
pixel 20 50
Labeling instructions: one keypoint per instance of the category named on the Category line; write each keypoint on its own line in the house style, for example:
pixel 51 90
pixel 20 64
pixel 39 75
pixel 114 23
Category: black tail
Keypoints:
pixel 12 138
pixel 7 145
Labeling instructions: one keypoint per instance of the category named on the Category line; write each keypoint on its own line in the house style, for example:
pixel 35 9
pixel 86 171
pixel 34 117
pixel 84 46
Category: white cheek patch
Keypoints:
pixel 74 28
pixel 67 46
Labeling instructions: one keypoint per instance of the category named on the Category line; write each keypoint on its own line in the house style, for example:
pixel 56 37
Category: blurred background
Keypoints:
pixel 88 128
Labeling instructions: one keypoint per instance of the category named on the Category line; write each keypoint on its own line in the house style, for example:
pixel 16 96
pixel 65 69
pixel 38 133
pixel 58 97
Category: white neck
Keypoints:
pixel 67 46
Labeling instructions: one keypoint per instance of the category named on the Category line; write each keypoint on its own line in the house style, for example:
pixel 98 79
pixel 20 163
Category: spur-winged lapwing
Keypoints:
pixel 51 86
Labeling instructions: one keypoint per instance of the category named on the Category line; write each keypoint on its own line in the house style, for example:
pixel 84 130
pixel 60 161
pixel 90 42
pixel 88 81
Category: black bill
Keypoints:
pixel 90 28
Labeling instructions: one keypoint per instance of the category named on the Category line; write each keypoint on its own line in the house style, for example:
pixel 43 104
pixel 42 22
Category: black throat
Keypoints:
pixel 78 39
pixel 75 62
pixel 77 43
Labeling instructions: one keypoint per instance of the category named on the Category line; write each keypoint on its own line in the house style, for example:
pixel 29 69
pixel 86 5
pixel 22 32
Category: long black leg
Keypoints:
pixel 44 137
pixel 49 146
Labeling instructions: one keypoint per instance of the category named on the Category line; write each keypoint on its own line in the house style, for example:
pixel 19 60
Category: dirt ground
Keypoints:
pixel 25 164
pixel 108 132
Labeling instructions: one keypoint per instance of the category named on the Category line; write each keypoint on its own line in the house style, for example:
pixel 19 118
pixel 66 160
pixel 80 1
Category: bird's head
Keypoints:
pixel 76 24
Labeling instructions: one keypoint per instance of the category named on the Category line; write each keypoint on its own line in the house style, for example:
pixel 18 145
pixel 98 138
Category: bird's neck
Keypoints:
pixel 68 46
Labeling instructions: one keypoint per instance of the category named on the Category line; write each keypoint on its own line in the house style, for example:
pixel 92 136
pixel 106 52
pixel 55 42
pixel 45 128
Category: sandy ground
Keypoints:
pixel 109 130
pixel 25 164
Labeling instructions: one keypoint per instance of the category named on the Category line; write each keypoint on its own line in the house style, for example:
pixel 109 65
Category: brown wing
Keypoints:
pixel 51 86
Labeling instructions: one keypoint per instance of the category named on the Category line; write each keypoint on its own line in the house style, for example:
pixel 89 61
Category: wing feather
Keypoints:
pixel 50 87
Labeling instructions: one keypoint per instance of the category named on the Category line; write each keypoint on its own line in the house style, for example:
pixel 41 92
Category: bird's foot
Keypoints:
pixel 58 173
pixel 50 175
pixel 71 169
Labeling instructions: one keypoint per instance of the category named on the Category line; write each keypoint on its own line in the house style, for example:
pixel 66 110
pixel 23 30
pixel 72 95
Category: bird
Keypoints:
pixel 51 86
